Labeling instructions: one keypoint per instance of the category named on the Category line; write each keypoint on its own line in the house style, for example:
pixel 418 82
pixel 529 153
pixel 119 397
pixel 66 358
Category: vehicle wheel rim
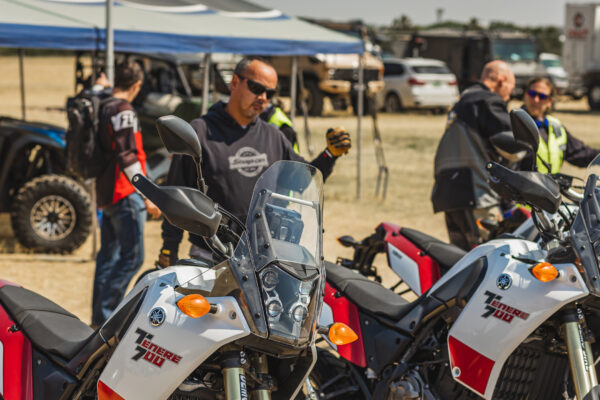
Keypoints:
pixel 52 217
pixel 392 104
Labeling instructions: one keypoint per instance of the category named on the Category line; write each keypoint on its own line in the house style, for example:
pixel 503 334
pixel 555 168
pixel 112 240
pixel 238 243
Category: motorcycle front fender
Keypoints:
pixel 505 309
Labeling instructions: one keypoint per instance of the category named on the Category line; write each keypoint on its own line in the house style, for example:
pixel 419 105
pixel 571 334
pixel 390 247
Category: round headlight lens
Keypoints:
pixel 274 308
pixel 299 313
pixel 270 280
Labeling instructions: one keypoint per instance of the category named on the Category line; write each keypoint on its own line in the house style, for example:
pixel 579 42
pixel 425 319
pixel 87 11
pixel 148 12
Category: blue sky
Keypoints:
pixel 528 12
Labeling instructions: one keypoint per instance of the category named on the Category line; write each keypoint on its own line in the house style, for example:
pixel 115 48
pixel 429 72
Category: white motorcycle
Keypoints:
pixel 513 319
pixel 243 328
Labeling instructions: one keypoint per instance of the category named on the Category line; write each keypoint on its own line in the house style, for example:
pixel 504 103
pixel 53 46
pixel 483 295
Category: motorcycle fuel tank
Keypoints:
pixel 505 309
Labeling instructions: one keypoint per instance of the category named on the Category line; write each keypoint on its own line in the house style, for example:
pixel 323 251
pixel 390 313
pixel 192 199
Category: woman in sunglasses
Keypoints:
pixel 556 143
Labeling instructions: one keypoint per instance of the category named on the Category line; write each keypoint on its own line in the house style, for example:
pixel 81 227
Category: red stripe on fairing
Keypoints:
pixel 475 368
pixel 7 283
pixel 429 269
pixel 346 312
pixel 16 362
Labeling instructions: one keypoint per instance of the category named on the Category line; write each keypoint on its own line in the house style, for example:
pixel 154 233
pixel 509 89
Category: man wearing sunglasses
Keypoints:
pixel 237 147
pixel 556 143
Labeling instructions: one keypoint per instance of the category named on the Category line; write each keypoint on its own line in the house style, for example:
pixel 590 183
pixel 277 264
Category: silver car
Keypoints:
pixel 417 83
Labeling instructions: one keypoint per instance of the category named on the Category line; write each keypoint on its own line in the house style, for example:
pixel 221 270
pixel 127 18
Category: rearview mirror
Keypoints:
pixel 525 129
pixel 178 136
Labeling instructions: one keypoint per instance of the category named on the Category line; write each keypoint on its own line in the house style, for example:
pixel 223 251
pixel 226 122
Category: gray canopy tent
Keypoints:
pixel 174 26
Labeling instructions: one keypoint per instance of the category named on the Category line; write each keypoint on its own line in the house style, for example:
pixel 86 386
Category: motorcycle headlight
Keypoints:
pixel 289 305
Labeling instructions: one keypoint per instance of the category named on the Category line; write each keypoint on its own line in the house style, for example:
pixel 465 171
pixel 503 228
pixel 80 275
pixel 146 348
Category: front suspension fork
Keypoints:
pixel 580 354
pixel 236 387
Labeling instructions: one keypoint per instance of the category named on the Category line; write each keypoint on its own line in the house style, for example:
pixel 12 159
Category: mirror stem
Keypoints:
pixel 201 184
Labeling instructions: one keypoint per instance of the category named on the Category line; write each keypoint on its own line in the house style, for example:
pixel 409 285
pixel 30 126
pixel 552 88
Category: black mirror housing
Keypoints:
pixel 525 129
pixel 178 136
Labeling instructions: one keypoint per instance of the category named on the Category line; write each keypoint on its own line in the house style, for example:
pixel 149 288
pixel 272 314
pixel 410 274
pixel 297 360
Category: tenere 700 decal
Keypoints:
pixel 500 310
pixel 152 352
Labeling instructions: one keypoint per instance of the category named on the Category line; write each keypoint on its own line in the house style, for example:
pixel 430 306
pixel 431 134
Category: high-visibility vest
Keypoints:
pixel 552 152
pixel 278 118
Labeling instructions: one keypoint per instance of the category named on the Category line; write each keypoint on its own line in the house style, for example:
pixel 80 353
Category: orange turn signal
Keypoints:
pixel 544 272
pixel 194 305
pixel 340 333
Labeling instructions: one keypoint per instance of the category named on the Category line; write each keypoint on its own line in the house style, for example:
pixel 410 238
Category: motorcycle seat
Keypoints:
pixel 445 254
pixel 365 293
pixel 48 326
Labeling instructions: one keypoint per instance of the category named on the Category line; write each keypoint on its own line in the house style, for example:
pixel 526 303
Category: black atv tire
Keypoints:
pixel 314 98
pixel 49 199
pixel 327 368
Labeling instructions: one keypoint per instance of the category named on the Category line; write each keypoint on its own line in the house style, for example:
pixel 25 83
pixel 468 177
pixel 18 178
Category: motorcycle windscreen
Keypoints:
pixel 285 238
pixel 585 231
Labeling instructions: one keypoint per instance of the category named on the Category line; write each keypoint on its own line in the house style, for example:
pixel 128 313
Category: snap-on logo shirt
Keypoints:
pixel 248 161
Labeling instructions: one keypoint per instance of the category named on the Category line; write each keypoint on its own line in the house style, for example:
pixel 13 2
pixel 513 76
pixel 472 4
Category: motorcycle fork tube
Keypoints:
pixel 234 377
pixel 262 368
pixel 580 353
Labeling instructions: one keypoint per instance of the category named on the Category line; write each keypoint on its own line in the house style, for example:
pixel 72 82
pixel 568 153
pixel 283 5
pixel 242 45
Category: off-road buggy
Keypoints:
pixel 49 211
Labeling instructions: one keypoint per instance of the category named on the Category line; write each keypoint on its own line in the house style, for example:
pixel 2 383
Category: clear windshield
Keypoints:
pixel 585 232
pixel 514 50
pixel 284 219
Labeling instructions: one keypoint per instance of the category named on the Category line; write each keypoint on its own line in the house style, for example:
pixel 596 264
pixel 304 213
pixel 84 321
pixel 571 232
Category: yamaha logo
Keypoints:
pixel 157 316
pixel 504 281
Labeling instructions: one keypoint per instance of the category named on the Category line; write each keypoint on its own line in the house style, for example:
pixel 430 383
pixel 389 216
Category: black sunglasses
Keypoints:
pixel 533 94
pixel 258 88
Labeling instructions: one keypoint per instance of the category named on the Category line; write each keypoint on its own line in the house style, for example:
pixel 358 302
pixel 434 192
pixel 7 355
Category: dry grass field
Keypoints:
pixel 409 141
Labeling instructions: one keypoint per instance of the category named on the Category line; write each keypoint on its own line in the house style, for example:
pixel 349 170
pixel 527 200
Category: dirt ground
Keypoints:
pixel 409 143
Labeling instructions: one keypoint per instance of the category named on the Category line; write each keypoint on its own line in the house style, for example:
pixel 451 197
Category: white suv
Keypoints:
pixel 417 83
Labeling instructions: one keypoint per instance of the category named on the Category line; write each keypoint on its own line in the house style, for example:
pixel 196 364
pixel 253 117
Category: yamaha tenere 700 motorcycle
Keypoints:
pixel 242 328
pixel 513 319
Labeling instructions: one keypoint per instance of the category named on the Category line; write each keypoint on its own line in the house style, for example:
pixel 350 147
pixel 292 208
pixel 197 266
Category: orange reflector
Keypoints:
pixel 340 333
pixel 106 393
pixel 545 272
pixel 478 223
pixel 194 305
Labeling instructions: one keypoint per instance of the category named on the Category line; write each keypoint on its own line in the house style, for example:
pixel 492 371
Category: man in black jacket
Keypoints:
pixel 237 147
pixel 474 135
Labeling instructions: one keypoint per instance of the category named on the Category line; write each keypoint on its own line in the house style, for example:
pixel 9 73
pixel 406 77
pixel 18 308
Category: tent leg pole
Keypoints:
pixel 22 77
pixel 206 83
pixel 110 49
pixel 359 113
pixel 293 88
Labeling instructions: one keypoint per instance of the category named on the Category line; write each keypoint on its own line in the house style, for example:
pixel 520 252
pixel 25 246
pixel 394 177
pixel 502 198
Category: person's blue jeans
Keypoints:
pixel 121 254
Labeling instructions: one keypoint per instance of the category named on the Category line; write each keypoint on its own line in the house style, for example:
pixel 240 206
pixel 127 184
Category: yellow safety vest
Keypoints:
pixel 278 119
pixel 552 152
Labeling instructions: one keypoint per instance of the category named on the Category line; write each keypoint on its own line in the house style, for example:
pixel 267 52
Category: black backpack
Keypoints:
pixel 85 154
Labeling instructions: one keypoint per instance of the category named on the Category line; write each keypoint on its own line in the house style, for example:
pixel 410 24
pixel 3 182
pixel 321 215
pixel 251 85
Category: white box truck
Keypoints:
pixel 581 50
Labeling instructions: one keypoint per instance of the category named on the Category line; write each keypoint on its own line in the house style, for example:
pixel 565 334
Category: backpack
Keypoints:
pixel 85 155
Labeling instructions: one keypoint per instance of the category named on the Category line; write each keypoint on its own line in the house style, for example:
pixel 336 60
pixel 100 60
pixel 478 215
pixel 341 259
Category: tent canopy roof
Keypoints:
pixel 174 26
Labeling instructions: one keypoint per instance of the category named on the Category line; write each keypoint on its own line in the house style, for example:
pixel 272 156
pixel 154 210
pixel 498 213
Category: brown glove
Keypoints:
pixel 165 259
pixel 338 141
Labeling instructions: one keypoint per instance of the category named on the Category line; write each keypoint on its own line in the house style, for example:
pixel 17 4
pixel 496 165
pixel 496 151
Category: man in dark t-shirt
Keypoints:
pixel 238 146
